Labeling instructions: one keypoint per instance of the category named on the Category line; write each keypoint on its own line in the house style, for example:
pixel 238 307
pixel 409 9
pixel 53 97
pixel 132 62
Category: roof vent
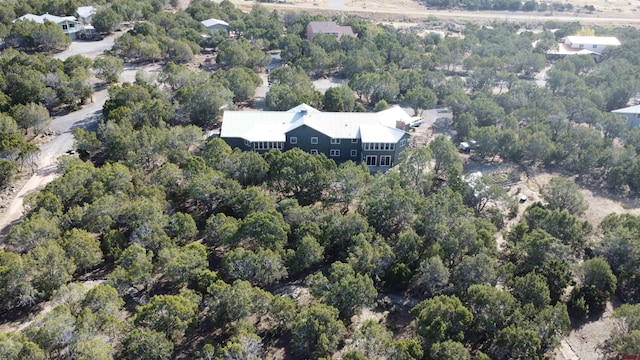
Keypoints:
pixel 303 111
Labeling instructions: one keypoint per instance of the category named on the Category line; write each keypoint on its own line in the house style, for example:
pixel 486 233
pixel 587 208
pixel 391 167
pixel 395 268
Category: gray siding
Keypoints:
pixel 633 120
pixel 304 135
pixel 399 147
pixel 237 143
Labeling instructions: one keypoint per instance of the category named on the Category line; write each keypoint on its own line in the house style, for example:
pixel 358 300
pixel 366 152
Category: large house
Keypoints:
pixel 632 115
pixel 68 24
pixel 328 27
pixel 377 139
pixel 585 45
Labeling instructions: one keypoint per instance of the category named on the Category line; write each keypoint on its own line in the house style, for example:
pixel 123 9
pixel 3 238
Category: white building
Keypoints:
pixel 595 44
pixel 68 24
pixel 585 45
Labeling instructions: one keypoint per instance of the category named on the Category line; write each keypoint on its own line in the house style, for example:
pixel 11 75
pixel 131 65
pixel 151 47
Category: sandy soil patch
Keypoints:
pixel 583 343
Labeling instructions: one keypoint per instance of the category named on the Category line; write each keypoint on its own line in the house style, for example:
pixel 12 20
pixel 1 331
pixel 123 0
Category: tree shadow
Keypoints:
pixel 595 316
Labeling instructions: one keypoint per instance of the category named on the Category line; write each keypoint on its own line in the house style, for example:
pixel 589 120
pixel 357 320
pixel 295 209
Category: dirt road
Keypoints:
pixel 362 8
pixel 86 118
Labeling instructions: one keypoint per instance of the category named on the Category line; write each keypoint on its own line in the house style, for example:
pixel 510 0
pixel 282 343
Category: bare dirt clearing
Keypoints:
pixel 614 12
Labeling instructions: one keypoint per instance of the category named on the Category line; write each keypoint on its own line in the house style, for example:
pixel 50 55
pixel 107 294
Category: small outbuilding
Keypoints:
pixel 85 14
pixel 631 114
pixel 215 24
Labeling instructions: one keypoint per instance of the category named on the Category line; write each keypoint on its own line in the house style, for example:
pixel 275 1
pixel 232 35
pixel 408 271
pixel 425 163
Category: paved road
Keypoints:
pixel 87 48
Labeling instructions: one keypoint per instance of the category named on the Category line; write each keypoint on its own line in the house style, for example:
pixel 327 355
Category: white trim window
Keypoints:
pixel 354 153
pixel 313 151
pixel 354 141
pixel 314 140
pixel 371 160
pixel 335 141
pixel 247 142
pixel 268 145
pixel 385 160
pixel 334 152
pixel 293 140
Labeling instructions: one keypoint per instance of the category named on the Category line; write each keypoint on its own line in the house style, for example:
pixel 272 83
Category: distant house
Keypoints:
pixel 328 27
pixel 377 139
pixel 84 14
pixel 597 44
pixel 631 113
pixel 68 24
pixel 215 24
pixel 585 45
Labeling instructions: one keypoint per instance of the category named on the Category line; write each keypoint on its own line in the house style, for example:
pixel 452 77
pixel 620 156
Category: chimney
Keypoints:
pixel 303 111
pixel 401 125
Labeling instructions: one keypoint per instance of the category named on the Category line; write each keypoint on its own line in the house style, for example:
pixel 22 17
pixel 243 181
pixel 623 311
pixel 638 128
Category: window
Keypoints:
pixel 334 152
pixel 354 141
pixel 266 145
pixel 638 116
pixel 595 46
pixel 385 160
pixel 371 160
pixel 64 27
pixel 581 46
pixel 314 151
pixel 354 153
pixel 72 25
pixel 314 139
pixel 335 141
pixel 366 146
pixel 247 142
pixel 293 140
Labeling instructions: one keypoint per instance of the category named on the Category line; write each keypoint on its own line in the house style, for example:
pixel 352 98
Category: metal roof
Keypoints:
pixel 380 134
pixel 329 27
pixel 274 125
pixel 303 107
pixel 46 17
pixel 594 40
pixel 86 11
pixel 628 110
pixel 212 22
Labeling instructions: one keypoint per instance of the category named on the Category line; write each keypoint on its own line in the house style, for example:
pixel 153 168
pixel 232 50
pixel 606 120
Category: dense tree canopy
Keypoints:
pixel 228 254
